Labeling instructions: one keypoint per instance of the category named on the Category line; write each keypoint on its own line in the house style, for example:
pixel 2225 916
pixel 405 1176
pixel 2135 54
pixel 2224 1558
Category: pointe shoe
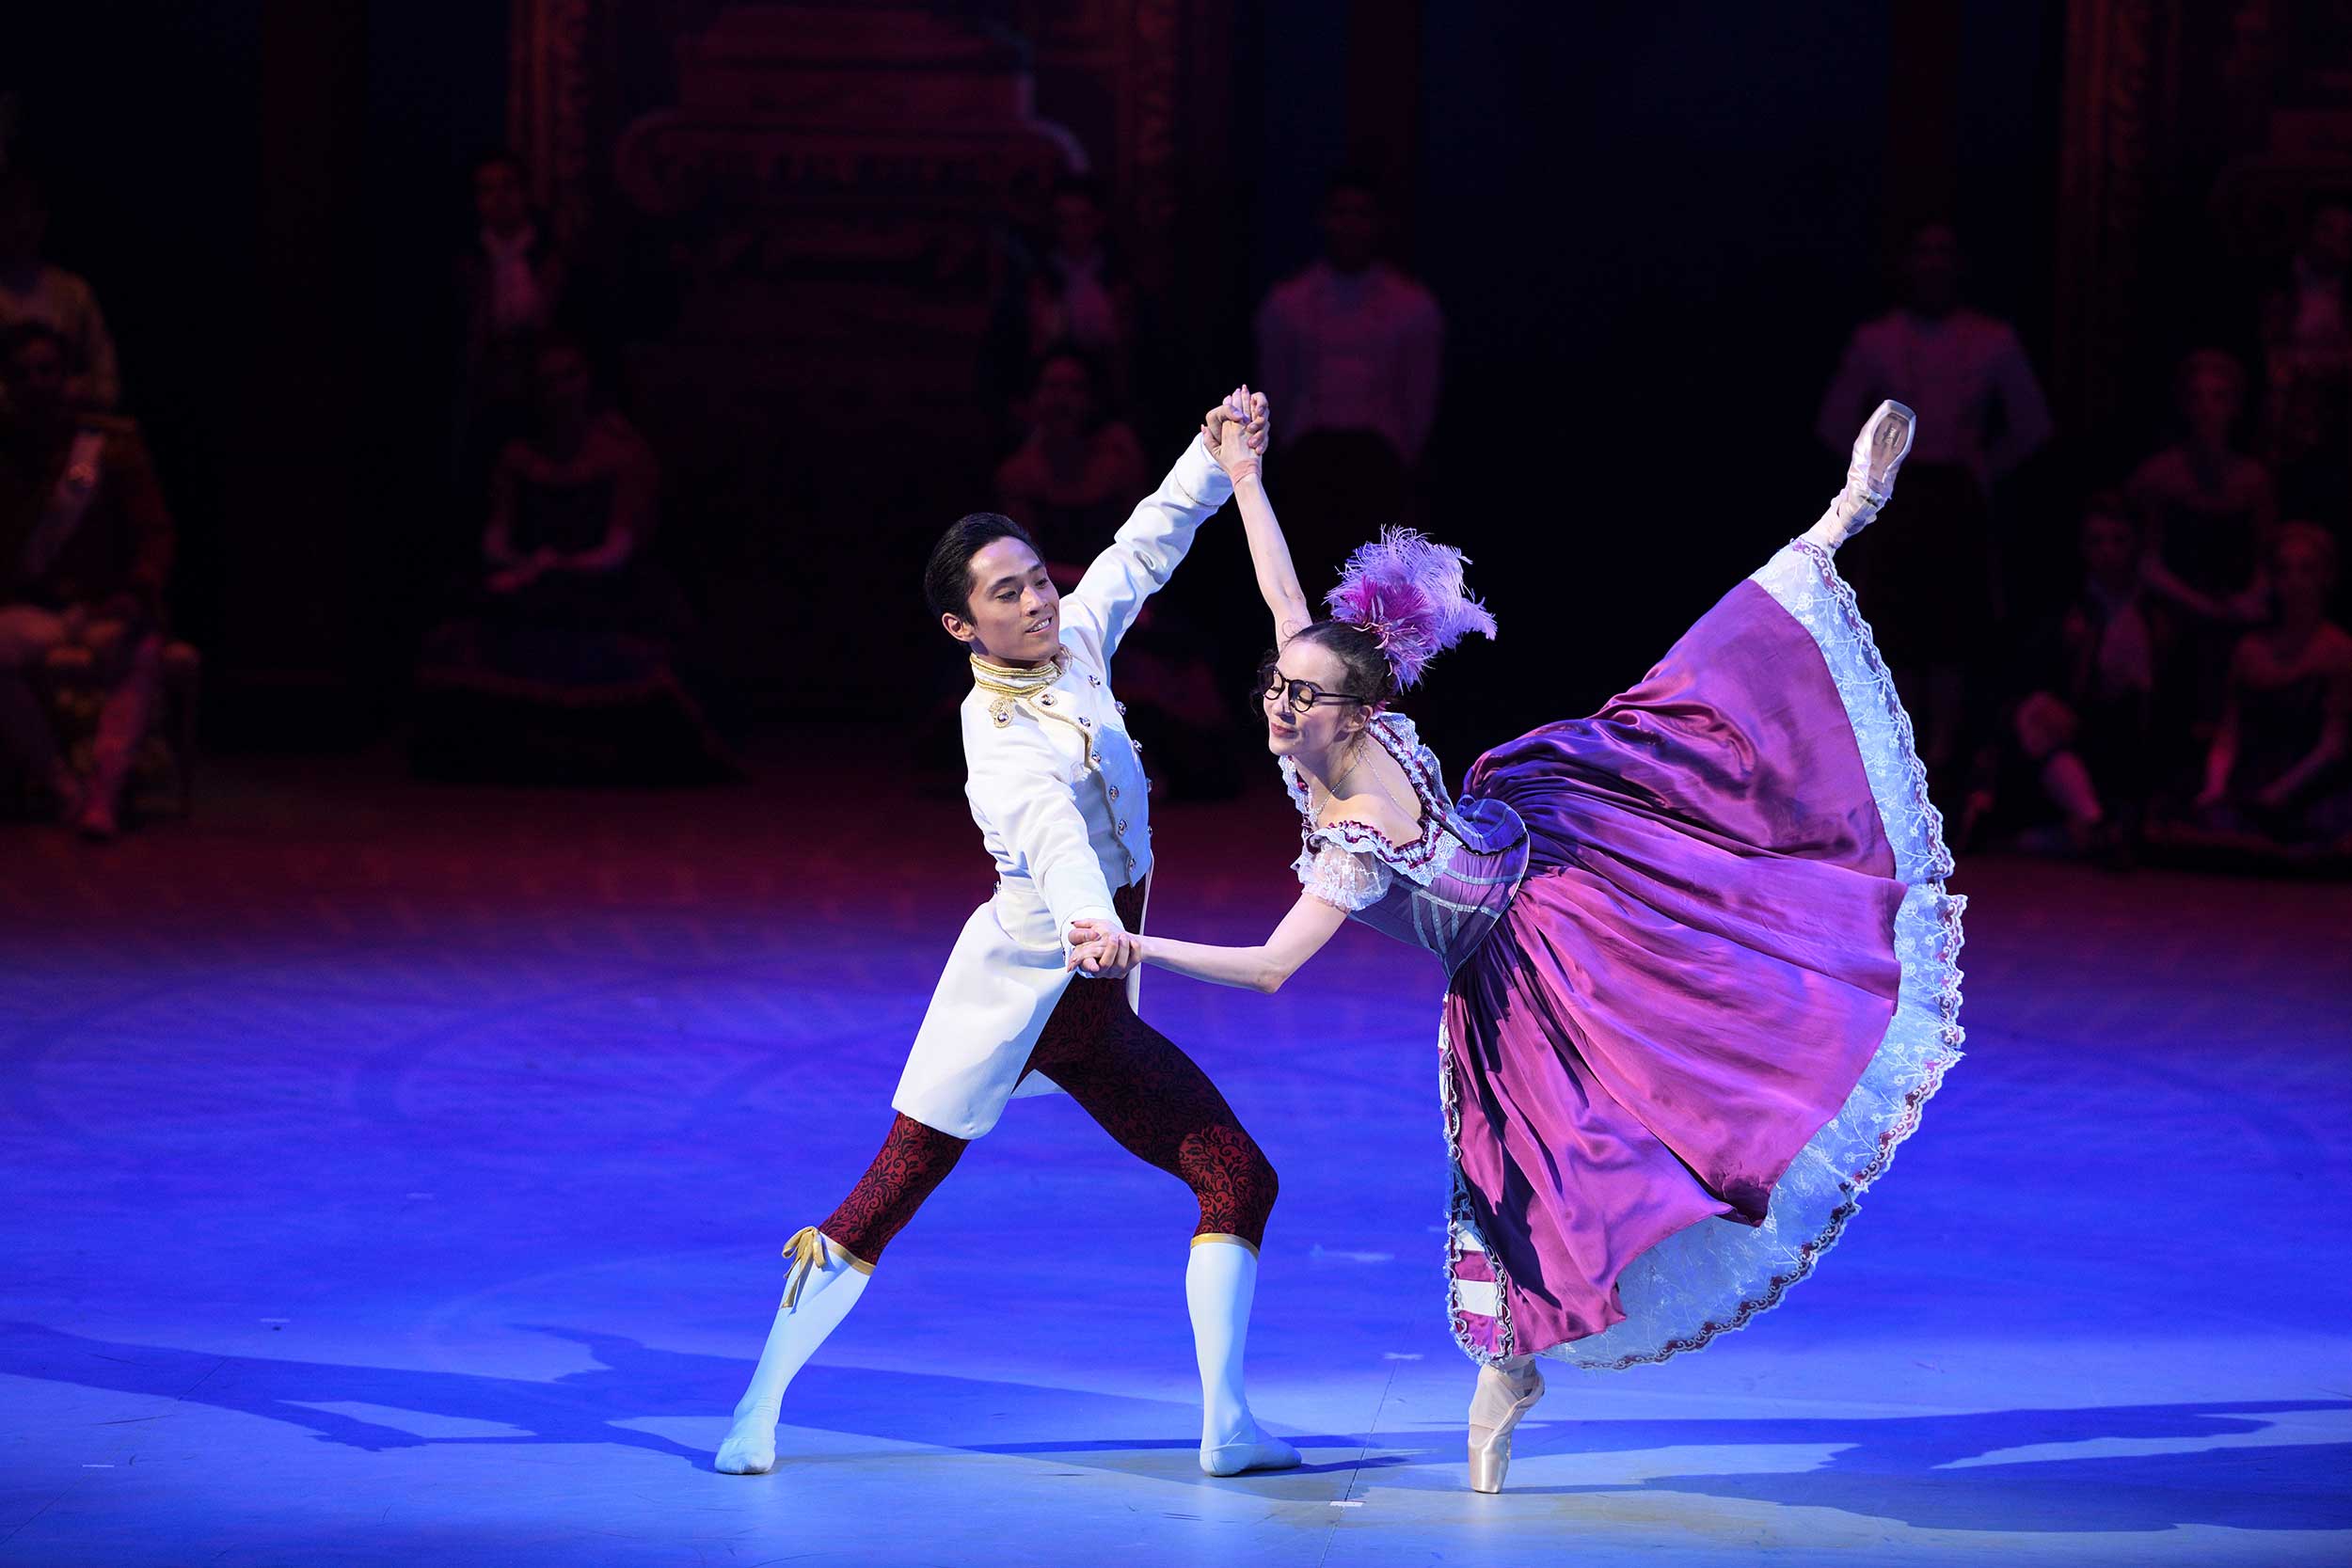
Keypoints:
pixel 1879 451
pixel 1495 1410
pixel 1257 1451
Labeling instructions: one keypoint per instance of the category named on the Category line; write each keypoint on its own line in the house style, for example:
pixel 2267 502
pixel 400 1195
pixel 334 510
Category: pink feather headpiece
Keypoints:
pixel 1407 591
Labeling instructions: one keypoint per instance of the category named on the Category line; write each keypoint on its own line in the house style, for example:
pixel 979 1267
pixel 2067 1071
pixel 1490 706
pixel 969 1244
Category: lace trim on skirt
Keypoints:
pixel 1718 1275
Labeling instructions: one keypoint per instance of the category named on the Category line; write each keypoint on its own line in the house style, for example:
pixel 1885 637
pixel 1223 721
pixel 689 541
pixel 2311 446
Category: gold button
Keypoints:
pixel 1122 827
pixel 1047 699
pixel 1114 792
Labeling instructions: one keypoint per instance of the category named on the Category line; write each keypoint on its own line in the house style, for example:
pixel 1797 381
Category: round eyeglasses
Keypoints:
pixel 1300 697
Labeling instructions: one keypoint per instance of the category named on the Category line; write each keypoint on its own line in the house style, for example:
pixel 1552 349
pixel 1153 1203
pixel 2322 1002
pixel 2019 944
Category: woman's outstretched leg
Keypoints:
pixel 826 1272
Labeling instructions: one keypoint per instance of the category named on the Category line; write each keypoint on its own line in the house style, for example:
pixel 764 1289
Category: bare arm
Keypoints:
pixel 498 541
pixel 2325 754
pixel 2221 756
pixel 1263 968
pixel 636 487
pixel 1269 552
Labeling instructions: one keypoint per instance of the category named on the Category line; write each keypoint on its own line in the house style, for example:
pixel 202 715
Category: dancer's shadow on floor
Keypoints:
pixel 2007 1471
pixel 2086 1469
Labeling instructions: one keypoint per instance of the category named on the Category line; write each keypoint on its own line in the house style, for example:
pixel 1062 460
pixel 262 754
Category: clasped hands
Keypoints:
pixel 1236 431
pixel 1103 952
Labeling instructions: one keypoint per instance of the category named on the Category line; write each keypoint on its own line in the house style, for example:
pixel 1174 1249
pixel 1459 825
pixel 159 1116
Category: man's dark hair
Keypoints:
pixel 1357 179
pixel 947 575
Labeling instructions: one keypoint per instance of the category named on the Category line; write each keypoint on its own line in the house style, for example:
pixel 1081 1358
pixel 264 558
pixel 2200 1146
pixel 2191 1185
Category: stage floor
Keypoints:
pixel 395 1174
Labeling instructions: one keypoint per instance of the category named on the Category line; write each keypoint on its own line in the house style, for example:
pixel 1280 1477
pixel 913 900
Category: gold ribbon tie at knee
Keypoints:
pixel 808 1251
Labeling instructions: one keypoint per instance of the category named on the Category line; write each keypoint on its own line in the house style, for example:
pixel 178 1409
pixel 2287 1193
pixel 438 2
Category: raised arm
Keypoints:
pixel 1300 935
pixel 1240 447
pixel 1145 553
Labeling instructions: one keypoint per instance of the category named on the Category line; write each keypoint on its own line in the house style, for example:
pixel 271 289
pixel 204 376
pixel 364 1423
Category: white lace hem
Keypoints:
pixel 1717 1275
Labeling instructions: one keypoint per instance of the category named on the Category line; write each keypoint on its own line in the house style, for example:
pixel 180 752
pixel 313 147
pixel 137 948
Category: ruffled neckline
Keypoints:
pixel 1425 856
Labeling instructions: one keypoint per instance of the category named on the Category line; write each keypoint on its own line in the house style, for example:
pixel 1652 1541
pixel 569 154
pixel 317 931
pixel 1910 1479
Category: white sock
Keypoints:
pixel 1220 1280
pixel 824 1298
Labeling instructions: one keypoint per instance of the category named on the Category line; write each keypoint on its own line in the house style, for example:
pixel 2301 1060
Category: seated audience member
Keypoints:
pixel 571 618
pixel 2307 350
pixel 1080 472
pixel 1080 295
pixel 85 553
pixel 33 291
pixel 1068 289
pixel 2277 764
pixel 2087 743
pixel 2209 511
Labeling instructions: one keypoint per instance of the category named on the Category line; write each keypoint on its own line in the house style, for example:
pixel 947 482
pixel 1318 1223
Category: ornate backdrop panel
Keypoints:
pixel 802 216
pixel 2196 133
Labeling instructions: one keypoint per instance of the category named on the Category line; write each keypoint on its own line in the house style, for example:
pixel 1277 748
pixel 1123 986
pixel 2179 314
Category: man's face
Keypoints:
pixel 564 382
pixel 36 379
pixel 2110 548
pixel 2210 403
pixel 499 198
pixel 1351 229
pixel 1077 226
pixel 2331 237
pixel 2300 575
pixel 1065 396
pixel 1015 609
pixel 1932 270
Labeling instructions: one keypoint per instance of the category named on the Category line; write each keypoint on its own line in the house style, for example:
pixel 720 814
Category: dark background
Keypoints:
pixel 1650 233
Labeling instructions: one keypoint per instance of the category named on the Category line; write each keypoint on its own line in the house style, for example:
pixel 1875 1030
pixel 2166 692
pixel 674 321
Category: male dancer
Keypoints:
pixel 1057 790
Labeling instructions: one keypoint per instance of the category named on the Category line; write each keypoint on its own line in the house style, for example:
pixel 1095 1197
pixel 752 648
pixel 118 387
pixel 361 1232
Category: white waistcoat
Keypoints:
pixel 1057 790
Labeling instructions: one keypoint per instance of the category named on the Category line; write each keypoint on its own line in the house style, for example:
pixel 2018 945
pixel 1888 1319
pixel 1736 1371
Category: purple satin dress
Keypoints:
pixel 1702 976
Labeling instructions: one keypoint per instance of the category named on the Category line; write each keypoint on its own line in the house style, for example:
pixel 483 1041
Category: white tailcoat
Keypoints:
pixel 1057 790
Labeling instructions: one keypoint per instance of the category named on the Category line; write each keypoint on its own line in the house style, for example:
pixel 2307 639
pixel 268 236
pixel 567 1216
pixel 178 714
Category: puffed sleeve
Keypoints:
pixel 1343 879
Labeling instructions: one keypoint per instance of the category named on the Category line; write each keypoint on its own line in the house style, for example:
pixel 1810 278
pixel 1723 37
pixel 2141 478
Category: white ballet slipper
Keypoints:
pixel 823 1282
pixel 1220 1280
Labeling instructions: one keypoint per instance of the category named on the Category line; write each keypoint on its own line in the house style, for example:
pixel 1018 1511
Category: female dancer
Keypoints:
pixel 1700 958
